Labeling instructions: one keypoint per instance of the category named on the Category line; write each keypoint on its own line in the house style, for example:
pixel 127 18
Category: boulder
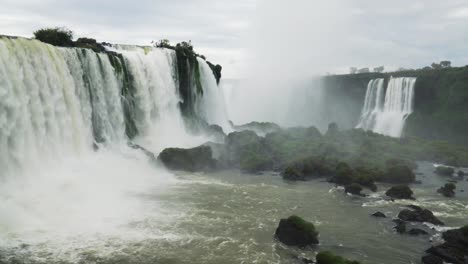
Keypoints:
pixel 431 259
pixel 194 159
pixel 453 250
pixel 354 188
pixel 379 214
pixel 417 232
pixel 344 174
pixel 448 190
pixel 461 173
pixel 444 171
pixel 295 231
pixel 400 226
pixel 400 192
pixel 418 214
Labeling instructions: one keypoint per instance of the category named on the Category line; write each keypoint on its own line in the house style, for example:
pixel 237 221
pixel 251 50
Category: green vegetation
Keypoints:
pixel 400 192
pixel 58 36
pixel 326 257
pixel 303 225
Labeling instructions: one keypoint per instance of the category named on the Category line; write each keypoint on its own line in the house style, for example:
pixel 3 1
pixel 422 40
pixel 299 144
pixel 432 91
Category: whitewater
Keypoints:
pixel 69 180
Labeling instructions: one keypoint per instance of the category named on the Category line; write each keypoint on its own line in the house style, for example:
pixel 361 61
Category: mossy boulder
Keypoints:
pixel 326 257
pixel 292 173
pixel 194 159
pixel 400 192
pixel 444 171
pixel 295 231
pixel 461 173
pixel 354 188
pixel 448 190
pixel 398 174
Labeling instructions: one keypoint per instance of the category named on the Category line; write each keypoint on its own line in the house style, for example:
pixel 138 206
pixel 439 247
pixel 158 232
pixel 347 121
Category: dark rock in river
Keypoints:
pixel 400 226
pixel 417 232
pixel 448 190
pixel 460 173
pixel 379 214
pixel 291 173
pixel 444 171
pixel 400 192
pixel 194 159
pixel 453 250
pixel 354 188
pixel 431 259
pixel 295 231
pixel 419 214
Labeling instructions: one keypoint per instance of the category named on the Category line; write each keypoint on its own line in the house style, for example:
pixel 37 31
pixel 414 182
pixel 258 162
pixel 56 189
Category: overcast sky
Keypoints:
pixel 397 33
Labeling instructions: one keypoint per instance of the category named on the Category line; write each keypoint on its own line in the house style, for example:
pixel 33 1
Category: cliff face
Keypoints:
pixel 440 106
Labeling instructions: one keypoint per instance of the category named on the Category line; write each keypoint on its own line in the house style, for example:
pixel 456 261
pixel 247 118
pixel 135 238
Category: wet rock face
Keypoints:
pixel 354 189
pixel 418 214
pixel 453 250
pixel 295 231
pixel 194 159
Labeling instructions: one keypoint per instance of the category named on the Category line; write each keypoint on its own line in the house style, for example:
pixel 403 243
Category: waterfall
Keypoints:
pixel 373 104
pixel 211 105
pixel 387 115
pixel 66 116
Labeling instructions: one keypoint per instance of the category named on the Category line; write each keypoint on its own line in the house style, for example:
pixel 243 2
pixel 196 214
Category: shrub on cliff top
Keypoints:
pixel 59 36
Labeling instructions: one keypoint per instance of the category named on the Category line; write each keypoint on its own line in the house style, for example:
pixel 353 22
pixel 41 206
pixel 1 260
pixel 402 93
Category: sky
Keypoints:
pixel 283 35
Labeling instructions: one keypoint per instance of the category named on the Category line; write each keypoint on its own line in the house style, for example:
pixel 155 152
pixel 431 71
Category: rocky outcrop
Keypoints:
pixel 453 250
pixel 295 231
pixel 418 214
pixel 400 192
pixel 379 214
pixel 260 128
pixel 354 189
pixel 448 190
pixel 194 159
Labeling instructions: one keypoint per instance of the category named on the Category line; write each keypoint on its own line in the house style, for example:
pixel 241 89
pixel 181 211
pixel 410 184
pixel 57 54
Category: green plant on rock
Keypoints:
pixel 58 36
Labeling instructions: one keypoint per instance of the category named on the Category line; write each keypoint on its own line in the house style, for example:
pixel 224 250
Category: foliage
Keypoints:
pixel 326 257
pixel 400 192
pixel 303 225
pixel 58 36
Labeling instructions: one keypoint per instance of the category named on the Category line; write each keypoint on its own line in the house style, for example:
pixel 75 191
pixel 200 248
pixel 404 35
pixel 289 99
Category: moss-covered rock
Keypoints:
pixel 453 250
pixel 400 192
pixel 295 231
pixel 194 159
pixel 326 257
pixel 448 190
pixel 344 174
pixel 444 171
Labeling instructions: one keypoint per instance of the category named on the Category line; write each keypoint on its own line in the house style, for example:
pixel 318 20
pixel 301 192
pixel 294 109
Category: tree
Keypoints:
pixel 427 68
pixel 58 36
pixel 353 70
pixel 445 64
pixel 163 43
pixel 379 69
pixel 436 66
pixel 363 70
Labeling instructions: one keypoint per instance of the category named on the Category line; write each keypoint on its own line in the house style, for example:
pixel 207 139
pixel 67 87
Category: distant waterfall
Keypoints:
pixel 387 115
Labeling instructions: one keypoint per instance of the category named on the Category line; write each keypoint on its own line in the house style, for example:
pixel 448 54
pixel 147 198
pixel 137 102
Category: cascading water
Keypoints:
pixel 387 115
pixel 56 106
pixel 211 106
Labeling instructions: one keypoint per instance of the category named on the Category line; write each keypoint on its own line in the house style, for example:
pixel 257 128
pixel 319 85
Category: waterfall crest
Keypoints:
pixel 387 114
